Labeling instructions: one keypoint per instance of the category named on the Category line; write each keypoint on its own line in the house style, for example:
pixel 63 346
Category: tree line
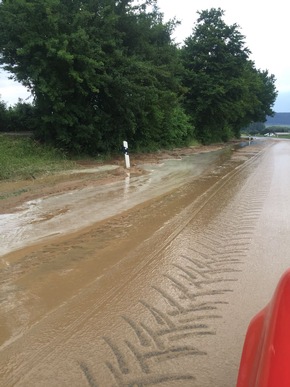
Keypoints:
pixel 101 71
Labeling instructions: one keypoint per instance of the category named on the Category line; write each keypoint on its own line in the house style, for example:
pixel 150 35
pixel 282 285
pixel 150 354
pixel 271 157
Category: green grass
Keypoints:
pixel 14 193
pixel 23 158
pixel 194 143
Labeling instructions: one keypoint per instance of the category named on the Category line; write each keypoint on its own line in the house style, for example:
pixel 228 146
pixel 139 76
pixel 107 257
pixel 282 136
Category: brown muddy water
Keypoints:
pixel 148 281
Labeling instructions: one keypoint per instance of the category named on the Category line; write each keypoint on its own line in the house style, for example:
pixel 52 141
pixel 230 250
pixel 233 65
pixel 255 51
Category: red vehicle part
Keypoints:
pixel 265 360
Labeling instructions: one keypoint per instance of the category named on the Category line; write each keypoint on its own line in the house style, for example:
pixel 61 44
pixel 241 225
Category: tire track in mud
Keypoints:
pixel 190 298
pixel 170 335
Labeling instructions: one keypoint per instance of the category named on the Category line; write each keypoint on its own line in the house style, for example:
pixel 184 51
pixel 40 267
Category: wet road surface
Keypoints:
pixel 160 294
pixel 60 214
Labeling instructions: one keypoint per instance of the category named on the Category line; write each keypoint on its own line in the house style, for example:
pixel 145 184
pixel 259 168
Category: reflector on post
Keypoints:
pixel 127 158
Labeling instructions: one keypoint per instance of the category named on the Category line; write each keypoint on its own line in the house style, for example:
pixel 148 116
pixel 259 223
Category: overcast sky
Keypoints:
pixel 264 25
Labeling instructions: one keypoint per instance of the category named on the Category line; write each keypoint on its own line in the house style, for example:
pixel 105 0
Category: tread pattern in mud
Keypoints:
pixel 164 334
pixel 189 299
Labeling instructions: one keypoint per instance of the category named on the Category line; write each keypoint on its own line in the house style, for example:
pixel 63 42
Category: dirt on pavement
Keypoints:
pixel 14 193
pixel 158 294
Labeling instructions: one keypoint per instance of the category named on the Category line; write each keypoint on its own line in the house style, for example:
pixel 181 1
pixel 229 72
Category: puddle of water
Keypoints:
pixel 101 168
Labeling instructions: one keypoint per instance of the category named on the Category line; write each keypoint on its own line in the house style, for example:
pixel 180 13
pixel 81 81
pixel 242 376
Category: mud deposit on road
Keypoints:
pixel 158 294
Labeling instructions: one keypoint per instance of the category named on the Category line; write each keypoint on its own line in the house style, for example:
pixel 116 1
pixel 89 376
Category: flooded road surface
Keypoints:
pixel 159 294
pixel 61 214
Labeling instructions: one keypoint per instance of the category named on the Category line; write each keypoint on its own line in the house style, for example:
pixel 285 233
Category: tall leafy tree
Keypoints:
pixel 224 90
pixel 149 68
pixel 99 70
pixel 259 95
pixel 48 46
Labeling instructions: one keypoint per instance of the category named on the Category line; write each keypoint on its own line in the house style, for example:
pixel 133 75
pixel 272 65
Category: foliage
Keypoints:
pixel 3 115
pixel 18 118
pixel 224 90
pixel 22 157
pixel 21 117
pixel 255 128
pixel 100 71
pixel 106 71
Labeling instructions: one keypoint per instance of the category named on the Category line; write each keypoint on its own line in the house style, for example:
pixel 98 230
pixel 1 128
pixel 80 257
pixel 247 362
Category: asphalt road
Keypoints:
pixel 161 294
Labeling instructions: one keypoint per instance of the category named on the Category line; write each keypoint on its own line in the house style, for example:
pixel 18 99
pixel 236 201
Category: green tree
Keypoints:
pixel 100 71
pixel 255 128
pixel 224 90
pixel 3 116
pixel 258 97
pixel 144 79
pixel 21 117
pixel 50 52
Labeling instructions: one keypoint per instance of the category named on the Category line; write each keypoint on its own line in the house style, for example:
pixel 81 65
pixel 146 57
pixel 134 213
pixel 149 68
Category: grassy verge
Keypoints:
pixel 22 158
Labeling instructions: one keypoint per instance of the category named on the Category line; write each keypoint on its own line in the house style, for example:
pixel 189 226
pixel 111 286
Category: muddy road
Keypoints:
pixel 158 293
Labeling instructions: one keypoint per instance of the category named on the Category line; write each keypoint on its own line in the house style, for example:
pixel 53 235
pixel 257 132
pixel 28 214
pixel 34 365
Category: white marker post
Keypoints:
pixel 127 158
